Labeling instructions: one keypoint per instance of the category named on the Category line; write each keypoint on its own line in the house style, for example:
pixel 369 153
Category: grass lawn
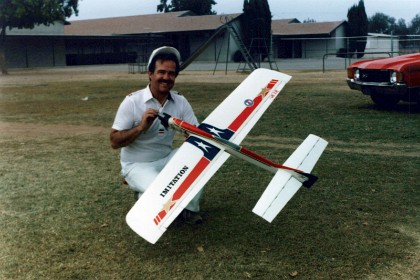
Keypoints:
pixel 63 206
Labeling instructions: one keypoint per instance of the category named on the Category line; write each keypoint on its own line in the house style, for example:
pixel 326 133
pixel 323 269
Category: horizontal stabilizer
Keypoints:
pixel 284 186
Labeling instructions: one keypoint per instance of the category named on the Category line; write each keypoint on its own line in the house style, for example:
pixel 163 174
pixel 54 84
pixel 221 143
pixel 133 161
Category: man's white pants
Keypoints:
pixel 139 176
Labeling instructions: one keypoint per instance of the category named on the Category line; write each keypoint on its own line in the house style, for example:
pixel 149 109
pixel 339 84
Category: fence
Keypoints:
pixel 376 44
pixel 348 56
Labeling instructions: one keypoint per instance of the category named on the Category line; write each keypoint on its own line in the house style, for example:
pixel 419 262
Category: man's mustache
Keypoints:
pixel 165 81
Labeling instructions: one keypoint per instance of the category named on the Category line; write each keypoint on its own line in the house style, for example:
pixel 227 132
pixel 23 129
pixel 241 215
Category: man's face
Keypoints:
pixel 163 79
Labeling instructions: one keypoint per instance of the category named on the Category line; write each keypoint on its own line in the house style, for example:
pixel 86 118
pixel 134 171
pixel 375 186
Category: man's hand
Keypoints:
pixel 122 138
pixel 148 118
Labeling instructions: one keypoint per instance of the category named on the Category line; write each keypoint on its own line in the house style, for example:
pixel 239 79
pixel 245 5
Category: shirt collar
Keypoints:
pixel 150 95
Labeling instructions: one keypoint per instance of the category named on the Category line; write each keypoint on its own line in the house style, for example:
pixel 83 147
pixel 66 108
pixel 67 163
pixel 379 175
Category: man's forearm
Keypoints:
pixel 124 138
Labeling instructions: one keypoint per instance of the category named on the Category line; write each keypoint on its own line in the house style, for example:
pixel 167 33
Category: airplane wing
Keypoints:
pixel 176 185
pixel 198 159
pixel 240 111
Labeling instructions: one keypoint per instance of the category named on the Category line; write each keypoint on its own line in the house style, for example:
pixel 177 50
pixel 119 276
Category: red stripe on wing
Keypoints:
pixel 186 184
pixel 244 115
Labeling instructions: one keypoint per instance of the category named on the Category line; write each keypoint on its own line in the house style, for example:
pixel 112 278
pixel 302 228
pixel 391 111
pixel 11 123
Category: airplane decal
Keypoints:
pixel 249 102
pixel 223 133
pixel 239 121
pixel 250 106
pixel 209 152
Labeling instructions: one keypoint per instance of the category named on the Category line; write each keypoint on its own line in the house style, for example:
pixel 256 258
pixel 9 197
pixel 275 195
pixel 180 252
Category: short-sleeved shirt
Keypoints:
pixel 156 142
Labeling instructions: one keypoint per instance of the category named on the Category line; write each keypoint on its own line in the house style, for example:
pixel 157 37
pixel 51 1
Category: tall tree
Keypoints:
pixel 28 14
pixel 414 27
pixel 357 28
pixel 164 6
pixel 256 26
pixel 381 23
pixel 199 7
pixel 401 28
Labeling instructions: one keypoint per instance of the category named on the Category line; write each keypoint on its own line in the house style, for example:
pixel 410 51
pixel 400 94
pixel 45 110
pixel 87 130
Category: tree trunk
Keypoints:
pixel 3 65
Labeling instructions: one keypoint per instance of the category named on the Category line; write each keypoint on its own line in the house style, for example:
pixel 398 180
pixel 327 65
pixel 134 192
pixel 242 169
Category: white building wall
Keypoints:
pixel 315 48
pixel 38 51
pixel 318 47
pixel 222 48
pixel 382 43
pixel 37 47
pixel 339 35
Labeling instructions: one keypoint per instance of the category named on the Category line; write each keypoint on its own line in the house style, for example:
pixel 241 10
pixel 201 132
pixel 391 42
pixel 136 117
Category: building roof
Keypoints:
pixel 284 28
pixel 381 35
pixel 285 21
pixel 144 24
pixel 39 30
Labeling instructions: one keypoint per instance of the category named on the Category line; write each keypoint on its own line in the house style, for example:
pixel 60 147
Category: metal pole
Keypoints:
pixel 347 54
pixel 392 43
pixel 227 53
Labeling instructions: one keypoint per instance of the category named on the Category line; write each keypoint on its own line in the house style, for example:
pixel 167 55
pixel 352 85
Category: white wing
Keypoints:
pixel 176 185
pixel 240 111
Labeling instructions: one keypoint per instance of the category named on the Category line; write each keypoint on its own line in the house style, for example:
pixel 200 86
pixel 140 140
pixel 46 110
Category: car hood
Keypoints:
pixel 393 63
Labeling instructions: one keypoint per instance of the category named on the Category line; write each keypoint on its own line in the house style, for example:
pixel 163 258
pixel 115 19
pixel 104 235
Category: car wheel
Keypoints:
pixel 385 101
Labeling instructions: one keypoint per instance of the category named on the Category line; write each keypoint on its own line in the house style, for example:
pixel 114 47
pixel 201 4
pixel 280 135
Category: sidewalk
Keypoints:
pixel 313 64
pixel 331 63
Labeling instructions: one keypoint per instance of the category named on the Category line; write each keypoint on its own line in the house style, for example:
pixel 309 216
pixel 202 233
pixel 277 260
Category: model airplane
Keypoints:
pixel 210 144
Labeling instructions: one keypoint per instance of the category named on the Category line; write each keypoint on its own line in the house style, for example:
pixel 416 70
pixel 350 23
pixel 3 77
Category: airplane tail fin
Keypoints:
pixel 284 186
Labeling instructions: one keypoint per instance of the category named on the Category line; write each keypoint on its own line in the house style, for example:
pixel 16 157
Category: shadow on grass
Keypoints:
pixel 401 107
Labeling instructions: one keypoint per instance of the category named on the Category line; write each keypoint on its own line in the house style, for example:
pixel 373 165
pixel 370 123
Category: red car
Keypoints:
pixel 387 80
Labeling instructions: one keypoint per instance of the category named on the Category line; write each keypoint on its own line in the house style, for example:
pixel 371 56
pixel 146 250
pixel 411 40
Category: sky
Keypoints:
pixel 319 10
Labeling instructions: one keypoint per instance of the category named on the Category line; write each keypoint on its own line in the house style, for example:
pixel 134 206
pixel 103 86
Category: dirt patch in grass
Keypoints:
pixel 410 268
pixel 74 74
pixel 42 76
pixel 370 148
pixel 31 130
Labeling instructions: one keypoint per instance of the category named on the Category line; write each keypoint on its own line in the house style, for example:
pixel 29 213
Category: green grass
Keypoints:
pixel 63 205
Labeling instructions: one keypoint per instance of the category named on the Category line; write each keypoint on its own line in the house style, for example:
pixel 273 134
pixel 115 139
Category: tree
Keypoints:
pixel 357 28
pixel 199 7
pixel 401 28
pixel 381 23
pixel 164 6
pixel 256 24
pixel 414 27
pixel 28 14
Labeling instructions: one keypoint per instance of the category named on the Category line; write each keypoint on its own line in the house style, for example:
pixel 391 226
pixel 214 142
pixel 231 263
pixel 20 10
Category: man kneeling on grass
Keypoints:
pixel 146 146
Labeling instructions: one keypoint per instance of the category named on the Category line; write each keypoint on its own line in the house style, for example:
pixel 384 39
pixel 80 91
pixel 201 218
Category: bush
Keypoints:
pixel 343 53
pixel 238 57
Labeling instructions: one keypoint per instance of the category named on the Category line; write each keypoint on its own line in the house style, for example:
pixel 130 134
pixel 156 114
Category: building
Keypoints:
pixel 132 39
pixel 38 47
pixel 292 39
pixel 381 45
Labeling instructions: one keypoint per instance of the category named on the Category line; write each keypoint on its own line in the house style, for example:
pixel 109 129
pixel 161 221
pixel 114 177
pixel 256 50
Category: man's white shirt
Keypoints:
pixel 156 142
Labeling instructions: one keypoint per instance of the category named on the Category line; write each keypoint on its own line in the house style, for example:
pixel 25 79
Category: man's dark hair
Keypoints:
pixel 164 57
